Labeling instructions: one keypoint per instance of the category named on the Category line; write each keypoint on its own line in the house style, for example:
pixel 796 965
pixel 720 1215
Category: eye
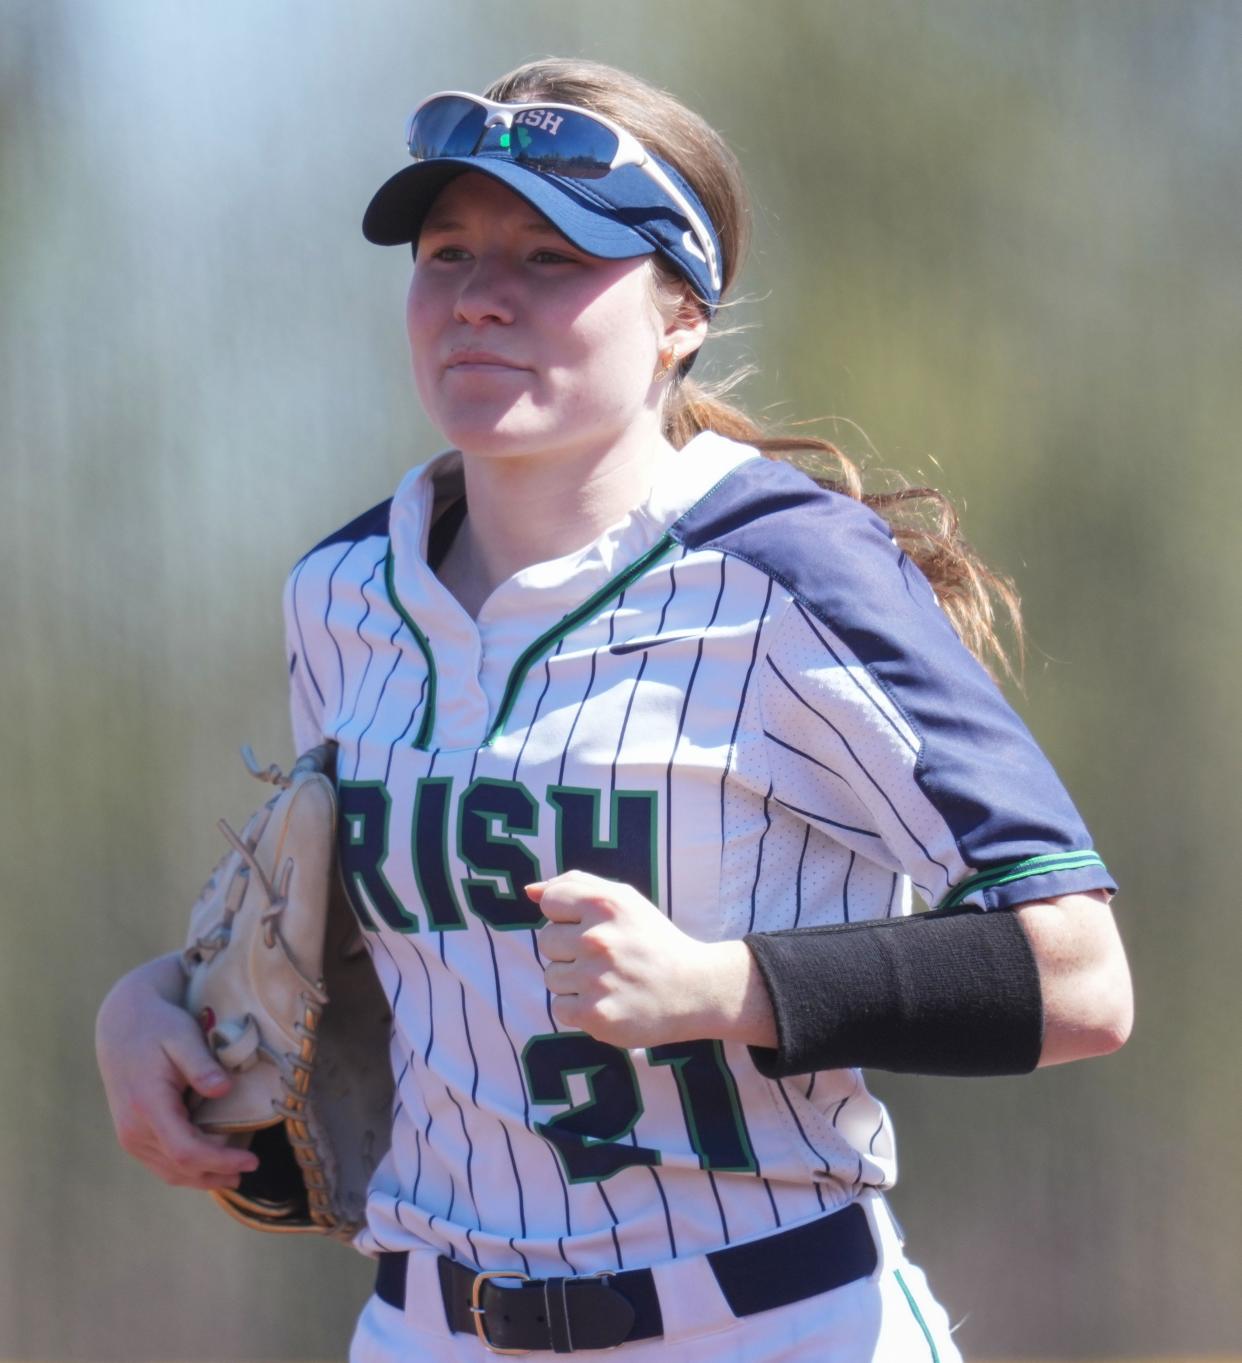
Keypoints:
pixel 547 255
pixel 449 253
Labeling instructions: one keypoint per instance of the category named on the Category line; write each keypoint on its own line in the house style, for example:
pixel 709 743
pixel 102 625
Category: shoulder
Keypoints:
pixel 771 509
pixel 424 490
pixel 309 583
pixel 371 524
pixel 834 556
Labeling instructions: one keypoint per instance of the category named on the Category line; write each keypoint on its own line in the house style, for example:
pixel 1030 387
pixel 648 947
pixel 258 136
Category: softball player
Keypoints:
pixel 645 744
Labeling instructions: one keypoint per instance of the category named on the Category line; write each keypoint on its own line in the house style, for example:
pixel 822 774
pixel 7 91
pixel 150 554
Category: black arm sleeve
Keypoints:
pixel 954 993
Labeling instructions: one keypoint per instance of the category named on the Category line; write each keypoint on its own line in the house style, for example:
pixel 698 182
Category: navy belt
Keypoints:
pixel 512 1312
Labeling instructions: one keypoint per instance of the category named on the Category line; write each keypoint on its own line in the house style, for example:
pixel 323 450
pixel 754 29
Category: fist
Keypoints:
pixel 617 968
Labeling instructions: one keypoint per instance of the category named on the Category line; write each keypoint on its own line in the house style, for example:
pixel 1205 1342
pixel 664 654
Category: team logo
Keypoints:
pixel 637 645
pixel 543 119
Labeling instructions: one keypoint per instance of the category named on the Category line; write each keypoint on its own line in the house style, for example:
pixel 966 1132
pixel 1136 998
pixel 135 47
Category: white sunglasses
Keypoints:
pixel 558 139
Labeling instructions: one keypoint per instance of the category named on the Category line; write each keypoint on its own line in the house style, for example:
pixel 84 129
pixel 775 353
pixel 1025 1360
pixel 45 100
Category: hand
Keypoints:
pixel 150 1051
pixel 623 973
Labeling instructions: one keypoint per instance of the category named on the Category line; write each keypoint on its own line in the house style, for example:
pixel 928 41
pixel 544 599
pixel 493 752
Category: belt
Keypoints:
pixel 605 1309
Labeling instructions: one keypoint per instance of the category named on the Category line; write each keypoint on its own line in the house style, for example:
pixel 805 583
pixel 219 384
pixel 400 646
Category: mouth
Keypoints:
pixel 480 360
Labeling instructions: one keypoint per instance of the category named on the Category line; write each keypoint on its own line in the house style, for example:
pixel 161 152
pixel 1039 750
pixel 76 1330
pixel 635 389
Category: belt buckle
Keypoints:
pixel 480 1314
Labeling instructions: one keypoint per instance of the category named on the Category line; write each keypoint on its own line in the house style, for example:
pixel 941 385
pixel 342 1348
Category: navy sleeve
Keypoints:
pixel 872 702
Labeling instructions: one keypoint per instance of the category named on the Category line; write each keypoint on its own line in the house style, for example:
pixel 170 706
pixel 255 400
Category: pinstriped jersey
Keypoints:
pixel 744 701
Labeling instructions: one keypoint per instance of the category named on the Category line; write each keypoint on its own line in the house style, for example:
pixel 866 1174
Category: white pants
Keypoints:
pixel 890 1317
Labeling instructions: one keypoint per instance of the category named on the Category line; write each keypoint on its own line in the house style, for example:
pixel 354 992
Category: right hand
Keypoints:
pixel 150 1051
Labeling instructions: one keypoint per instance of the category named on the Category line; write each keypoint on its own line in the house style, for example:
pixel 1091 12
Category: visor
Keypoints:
pixel 618 216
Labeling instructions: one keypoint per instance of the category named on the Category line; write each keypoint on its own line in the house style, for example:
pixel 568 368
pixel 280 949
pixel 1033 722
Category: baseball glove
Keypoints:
pixel 284 990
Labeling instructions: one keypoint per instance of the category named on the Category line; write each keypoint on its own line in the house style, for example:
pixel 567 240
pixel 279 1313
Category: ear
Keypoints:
pixel 685 328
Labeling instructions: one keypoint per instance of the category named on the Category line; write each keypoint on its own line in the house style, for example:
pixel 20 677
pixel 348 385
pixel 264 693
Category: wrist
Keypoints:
pixel 733 1001
pixel 161 979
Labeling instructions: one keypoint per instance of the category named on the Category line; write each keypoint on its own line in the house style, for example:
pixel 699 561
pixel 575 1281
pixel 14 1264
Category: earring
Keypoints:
pixel 668 358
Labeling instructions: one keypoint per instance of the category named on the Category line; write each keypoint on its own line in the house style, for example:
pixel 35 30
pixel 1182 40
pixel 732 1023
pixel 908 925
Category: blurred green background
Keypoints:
pixel 997 248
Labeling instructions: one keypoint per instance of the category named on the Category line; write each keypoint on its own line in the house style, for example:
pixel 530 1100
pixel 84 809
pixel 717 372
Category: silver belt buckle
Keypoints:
pixel 480 1315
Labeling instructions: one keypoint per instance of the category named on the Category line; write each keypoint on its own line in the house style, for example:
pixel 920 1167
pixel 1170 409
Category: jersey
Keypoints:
pixel 743 700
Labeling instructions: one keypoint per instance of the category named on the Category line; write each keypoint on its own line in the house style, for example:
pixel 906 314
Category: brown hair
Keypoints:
pixel 923 520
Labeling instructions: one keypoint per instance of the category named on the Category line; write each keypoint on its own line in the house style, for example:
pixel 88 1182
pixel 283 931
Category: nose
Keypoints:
pixel 485 293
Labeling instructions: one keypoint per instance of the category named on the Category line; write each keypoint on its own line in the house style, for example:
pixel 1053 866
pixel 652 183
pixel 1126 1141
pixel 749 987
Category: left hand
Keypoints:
pixel 620 970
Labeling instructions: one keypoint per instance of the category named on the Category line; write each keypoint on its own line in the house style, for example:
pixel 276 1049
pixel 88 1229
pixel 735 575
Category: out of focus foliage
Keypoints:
pixel 996 249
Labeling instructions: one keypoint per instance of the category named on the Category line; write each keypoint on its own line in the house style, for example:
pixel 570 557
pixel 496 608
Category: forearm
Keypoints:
pixel 952 994
pixel 947 992
pixel 964 993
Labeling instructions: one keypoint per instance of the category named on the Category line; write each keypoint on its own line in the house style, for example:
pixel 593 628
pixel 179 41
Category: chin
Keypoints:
pixel 495 441
pixel 526 429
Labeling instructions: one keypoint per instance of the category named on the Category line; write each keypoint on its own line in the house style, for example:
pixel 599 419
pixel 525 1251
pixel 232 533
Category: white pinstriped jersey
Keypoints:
pixel 741 699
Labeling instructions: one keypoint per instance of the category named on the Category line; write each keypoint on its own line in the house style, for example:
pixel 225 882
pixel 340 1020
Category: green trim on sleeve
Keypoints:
pixel 1021 870
pixel 422 739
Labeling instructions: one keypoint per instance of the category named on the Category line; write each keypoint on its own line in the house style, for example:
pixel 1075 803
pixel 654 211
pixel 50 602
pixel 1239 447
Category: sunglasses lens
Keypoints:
pixel 446 127
pixel 556 141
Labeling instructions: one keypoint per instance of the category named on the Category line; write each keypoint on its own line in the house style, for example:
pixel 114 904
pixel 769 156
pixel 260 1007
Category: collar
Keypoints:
pixel 563 582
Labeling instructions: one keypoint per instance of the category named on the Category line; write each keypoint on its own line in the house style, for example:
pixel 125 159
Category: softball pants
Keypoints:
pixel 889 1317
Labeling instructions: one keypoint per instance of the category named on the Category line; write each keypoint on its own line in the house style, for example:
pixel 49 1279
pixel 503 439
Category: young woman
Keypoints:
pixel 644 743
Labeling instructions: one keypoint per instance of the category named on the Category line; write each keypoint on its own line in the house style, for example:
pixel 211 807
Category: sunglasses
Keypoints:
pixel 556 139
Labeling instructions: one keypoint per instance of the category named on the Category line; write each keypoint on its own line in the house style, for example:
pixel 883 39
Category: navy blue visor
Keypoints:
pixel 593 181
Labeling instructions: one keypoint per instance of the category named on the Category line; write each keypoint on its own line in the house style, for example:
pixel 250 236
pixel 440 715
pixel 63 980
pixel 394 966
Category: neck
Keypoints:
pixel 531 508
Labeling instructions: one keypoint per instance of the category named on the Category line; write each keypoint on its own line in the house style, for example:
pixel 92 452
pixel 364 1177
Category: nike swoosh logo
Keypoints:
pixel 637 645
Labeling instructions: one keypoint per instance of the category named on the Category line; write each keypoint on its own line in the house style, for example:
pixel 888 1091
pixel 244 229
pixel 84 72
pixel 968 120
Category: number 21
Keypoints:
pixel 590 1136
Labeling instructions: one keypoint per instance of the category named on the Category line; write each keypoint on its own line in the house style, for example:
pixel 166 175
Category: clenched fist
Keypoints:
pixel 623 973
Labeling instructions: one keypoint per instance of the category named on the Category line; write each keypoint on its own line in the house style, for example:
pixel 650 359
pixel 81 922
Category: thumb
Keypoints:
pixel 210 1083
pixel 534 891
pixel 192 1058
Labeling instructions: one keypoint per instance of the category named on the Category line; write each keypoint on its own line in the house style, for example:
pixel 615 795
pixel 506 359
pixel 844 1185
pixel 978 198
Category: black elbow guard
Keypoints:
pixel 936 993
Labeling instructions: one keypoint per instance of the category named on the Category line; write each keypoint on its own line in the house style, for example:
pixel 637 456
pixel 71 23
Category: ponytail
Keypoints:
pixel 923 520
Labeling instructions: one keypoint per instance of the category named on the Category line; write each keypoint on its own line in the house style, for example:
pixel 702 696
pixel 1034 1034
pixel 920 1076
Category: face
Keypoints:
pixel 521 343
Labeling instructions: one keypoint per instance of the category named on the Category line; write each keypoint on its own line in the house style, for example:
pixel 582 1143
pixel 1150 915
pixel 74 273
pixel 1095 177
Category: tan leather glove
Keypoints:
pixel 282 985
